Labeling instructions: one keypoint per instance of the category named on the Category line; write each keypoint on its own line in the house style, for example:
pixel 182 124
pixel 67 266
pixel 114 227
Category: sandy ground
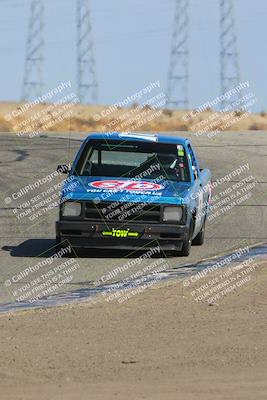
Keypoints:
pixel 159 345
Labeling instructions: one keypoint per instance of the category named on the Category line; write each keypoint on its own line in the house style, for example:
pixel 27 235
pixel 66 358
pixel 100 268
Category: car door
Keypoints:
pixel 198 190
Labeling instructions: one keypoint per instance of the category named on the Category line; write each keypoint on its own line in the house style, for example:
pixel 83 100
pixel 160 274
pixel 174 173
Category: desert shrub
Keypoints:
pixel 147 107
pixel 167 112
pixel 254 127
pixel 183 127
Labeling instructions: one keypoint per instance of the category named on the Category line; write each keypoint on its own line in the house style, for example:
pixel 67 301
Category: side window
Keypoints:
pixel 193 160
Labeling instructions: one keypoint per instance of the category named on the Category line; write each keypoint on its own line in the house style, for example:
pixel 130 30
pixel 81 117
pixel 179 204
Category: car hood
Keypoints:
pixel 110 189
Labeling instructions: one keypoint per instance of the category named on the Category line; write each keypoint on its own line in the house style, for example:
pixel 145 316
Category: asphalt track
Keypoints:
pixel 25 242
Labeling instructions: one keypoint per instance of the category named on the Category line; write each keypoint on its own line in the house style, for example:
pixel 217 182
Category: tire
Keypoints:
pixel 187 244
pixel 186 248
pixel 199 239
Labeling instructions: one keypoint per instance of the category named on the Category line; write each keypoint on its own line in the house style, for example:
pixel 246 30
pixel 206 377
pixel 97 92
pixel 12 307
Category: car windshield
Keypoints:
pixel 136 160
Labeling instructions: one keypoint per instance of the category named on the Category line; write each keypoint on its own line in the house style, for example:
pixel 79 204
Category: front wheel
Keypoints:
pixel 187 243
pixel 199 239
pixel 186 248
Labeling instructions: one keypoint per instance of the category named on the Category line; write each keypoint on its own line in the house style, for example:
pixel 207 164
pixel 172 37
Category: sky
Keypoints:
pixel 132 42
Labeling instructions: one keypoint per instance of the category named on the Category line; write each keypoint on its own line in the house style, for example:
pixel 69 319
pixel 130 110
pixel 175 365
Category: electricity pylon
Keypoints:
pixel 87 84
pixel 178 78
pixel 230 70
pixel 33 74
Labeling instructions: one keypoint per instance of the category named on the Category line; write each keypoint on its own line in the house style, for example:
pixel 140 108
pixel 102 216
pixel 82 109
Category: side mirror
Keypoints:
pixel 195 172
pixel 63 168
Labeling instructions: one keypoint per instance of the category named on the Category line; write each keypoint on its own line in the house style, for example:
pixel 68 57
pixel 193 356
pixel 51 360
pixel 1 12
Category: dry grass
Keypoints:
pixel 82 118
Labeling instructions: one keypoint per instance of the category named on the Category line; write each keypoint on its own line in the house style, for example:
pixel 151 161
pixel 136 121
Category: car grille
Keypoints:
pixel 119 212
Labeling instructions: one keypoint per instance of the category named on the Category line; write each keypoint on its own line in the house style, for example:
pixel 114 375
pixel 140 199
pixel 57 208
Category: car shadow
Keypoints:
pixel 32 248
pixel 43 248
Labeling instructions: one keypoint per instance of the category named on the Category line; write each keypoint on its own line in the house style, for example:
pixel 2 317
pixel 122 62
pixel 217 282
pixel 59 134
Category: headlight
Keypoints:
pixel 174 214
pixel 71 209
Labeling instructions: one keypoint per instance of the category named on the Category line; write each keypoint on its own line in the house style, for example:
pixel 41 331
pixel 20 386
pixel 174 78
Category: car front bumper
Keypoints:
pixel 86 234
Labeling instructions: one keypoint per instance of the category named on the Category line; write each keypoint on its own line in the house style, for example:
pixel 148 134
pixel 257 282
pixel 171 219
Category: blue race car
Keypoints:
pixel 128 190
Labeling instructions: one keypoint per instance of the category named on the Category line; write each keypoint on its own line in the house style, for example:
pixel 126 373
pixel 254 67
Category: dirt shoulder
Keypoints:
pixel 161 344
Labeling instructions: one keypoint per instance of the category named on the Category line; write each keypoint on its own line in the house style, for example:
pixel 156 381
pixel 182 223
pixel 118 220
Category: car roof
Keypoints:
pixel 138 136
